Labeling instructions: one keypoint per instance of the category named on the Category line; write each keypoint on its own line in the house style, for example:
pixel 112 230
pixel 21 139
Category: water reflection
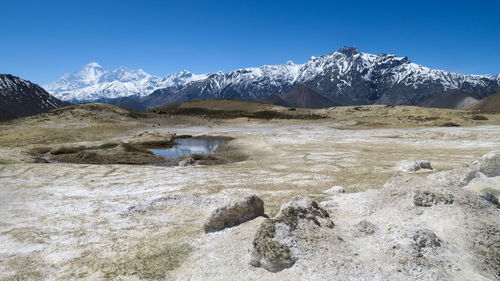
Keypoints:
pixel 189 146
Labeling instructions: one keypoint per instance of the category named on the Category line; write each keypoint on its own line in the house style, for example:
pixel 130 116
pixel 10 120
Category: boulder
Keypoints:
pixel 274 241
pixel 425 238
pixel 411 166
pixel 234 213
pixel 490 164
pixel 335 189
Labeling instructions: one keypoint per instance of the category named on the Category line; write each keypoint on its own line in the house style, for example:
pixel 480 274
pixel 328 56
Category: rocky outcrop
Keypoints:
pixel 425 238
pixel 234 213
pixel 274 241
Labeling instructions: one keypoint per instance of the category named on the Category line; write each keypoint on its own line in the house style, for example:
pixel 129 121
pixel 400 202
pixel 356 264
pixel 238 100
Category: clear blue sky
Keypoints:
pixel 41 40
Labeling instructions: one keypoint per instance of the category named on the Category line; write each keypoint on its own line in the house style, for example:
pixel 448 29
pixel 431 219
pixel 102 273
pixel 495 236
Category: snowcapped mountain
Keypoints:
pixel 19 98
pixel 93 83
pixel 345 76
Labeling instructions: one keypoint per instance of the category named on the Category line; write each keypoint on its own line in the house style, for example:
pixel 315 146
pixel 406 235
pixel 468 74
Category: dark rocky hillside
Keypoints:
pixel 20 98
pixel 305 97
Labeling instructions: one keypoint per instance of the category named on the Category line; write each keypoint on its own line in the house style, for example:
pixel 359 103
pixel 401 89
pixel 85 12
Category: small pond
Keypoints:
pixel 189 146
pixel 135 155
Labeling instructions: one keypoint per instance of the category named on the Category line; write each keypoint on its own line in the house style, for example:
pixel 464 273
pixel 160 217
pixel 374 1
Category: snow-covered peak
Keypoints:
pixel 123 74
pixel 181 78
pixel 91 72
pixel 93 82
pixel 87 76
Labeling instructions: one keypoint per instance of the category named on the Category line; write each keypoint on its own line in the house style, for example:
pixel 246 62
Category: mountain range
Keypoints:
pixel 93 83
pixel 347 77
pixel 20 98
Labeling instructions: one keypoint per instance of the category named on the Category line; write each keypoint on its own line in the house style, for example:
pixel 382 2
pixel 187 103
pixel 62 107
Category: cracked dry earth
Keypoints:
pixel 122 222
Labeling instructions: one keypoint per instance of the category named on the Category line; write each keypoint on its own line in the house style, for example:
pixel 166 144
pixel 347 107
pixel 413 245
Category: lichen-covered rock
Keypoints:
pixel 268 252
pixel 303 205
pixel 234 213
pixel 425 238
pixel 410 166
pixel 490 164
pixel 427 198
pixel 272 242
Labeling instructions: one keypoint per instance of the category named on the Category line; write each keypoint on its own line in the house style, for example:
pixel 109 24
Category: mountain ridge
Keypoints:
pixel 347 76
pixel 20 98
pixel 93 82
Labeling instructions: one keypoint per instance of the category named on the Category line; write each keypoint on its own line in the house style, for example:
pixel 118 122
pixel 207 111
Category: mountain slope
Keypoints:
pixel 19 98
pixel 305 97
pixel 455 99
pixel 93 83
pixel 300 97
pixel 488 104
pixel 274 99
pixel 347 76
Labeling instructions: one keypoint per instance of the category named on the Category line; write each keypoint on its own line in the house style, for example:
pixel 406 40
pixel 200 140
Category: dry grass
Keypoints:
pixel 382 116
pixel 98 122
pixel 25 135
